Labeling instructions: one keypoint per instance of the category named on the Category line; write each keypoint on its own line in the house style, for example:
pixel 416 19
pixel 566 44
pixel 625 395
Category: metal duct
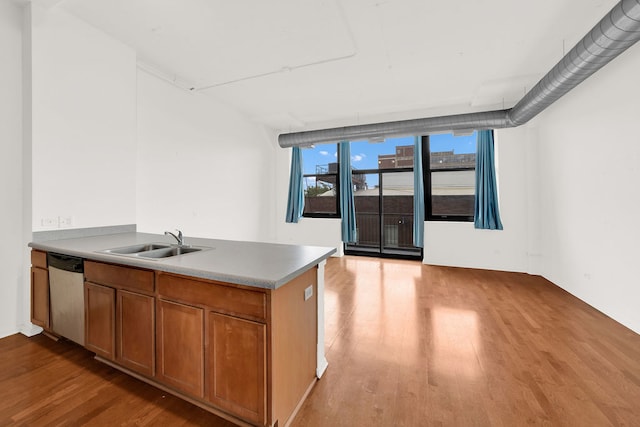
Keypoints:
pixel 614 34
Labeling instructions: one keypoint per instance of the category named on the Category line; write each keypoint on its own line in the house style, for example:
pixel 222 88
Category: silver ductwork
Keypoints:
pixel 614 34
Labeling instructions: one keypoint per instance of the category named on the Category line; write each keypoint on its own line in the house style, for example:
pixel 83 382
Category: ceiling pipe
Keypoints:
pixel 614 34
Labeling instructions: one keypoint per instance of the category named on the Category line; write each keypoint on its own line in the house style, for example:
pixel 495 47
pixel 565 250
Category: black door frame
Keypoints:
pixel 380 251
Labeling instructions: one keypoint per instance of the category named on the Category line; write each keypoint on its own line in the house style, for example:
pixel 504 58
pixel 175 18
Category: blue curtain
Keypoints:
pixel 295 202
pixel 418 195
pixel 487 214
pixel 347 206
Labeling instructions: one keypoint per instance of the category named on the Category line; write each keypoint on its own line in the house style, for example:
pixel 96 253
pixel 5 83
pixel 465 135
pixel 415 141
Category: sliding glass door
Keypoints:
pixel 397 213
pixel 384 213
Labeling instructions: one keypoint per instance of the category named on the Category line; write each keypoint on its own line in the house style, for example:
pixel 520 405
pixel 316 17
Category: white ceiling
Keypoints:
pixel 308 64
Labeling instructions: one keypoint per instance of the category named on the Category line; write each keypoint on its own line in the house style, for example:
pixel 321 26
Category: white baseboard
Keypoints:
pixel 321 366
pixel 30 329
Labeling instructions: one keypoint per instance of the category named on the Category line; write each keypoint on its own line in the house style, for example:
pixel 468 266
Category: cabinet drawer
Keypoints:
pixel 119 276
pixel 38 259
pixel 218 297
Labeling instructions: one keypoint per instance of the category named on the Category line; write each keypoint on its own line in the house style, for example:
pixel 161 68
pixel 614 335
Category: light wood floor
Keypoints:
pixel 407 344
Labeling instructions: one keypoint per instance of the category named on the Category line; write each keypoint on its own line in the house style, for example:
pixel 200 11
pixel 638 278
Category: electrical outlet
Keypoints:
pixel 49 222
pixel 308 292
pixel 65 221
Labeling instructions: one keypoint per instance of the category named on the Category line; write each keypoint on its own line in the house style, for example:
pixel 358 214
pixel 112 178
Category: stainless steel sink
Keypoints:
pixel 167 252
pixel 153 250
pixel 134 249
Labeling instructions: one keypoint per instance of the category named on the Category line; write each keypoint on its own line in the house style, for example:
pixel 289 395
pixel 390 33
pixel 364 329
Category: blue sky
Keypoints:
pixel 364 155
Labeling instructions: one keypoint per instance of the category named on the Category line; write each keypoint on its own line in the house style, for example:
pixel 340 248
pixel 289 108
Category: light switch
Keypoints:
pixel 308 293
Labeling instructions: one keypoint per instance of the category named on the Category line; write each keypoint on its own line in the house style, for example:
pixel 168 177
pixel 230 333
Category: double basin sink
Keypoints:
pixel 153 250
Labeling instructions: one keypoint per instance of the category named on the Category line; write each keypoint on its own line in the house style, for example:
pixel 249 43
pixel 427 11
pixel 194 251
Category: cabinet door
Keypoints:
pixel 40 297
pixel 99 311
pixel 180 346
pixel 236 366
pixel 135 332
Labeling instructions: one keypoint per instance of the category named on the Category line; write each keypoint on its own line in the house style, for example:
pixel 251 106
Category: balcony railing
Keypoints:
pixel 398 229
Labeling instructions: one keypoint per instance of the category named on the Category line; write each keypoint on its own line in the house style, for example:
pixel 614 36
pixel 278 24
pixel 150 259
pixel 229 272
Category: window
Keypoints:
pixel 383 198
pixel 449 164
pixel 320 181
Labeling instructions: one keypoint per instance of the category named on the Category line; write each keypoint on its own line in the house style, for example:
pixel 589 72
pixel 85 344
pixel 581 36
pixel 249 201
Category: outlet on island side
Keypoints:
pixel 308 292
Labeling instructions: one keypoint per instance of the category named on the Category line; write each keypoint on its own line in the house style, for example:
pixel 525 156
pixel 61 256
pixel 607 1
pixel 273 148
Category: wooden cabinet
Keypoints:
pixel 40 297
pixel 99 311
pixel 180 346
pixel 234 351
pixel 119 277
pixel 221 298
pixel 120 315
pixel 241 352
pixel 40 313
pixel 40 290
pixel 135 322
pixel 236 366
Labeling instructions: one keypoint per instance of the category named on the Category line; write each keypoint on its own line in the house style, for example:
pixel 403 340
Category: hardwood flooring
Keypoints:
pixel 47 383
pixel 416 345
pixel 407 345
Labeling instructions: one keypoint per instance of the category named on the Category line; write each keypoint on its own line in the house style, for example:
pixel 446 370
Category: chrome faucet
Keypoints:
pixel 179 237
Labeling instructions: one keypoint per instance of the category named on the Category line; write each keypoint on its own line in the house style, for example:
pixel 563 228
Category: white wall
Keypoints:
pixel 11 214
pixel 201 166
pixel 589 190
pixel 83 112
pixel 515 248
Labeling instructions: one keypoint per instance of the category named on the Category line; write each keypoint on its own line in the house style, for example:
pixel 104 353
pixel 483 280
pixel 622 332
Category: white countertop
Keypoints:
pixel 263 265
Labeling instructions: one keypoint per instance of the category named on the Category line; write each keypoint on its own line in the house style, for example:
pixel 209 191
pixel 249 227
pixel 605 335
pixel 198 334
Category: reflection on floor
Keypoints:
pixel 416 345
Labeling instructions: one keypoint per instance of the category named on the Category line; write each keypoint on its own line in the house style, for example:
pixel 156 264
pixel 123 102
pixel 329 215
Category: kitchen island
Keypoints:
pixel 233 327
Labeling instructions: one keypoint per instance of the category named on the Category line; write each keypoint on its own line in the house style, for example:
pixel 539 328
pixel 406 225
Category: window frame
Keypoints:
pixel 426 178
pixel 336 187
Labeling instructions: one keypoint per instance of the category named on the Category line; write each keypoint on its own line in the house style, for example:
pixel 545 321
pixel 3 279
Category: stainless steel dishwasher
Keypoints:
pixel 66 287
